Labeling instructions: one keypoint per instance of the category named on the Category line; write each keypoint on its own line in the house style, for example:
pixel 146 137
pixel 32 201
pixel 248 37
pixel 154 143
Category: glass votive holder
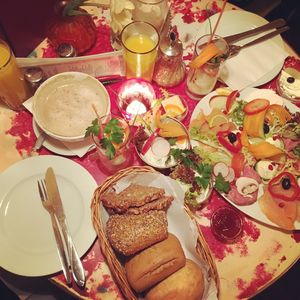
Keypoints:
pixel 202 80
pixel 14 90
pixel 140 42
pixel 113 155
pixel 135 97
pixel 151 11
pixel 288 85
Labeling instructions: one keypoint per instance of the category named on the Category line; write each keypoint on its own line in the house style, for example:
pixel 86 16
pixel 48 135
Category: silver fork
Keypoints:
pixel 61 248
pixel 235 49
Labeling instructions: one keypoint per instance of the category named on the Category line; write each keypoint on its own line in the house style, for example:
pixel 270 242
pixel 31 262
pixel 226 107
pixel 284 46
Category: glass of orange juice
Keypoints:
pixel 13 87
pixel 140 42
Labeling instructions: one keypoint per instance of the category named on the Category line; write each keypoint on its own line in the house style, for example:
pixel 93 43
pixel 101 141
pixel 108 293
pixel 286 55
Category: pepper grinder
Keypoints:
pixel 169 68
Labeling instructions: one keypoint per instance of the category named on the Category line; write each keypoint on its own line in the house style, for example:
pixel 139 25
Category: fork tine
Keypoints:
pixel 43 183
pixel 40 190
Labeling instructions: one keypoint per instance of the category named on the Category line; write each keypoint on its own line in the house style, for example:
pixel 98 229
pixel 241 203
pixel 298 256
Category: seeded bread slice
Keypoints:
pixel 129 234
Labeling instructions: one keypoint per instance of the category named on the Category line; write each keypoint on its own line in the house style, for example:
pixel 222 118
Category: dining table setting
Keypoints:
pixel 150 150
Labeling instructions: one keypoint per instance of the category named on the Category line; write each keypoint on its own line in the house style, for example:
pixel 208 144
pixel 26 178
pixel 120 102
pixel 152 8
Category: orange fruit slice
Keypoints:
pixel 217 120
pixel 208 52
pixel 174 110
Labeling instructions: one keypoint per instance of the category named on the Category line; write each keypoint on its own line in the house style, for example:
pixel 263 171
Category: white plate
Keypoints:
pixel 59 147
pixel 236 21
pixel 27 241
pixel 249 94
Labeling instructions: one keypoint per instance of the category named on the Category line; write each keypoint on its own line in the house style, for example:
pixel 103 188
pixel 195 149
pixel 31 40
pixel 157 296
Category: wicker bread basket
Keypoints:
pixel 116 268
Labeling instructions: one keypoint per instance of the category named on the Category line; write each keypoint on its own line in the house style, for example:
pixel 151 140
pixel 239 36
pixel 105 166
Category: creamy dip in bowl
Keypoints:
pixel 64 105
pixel 288 84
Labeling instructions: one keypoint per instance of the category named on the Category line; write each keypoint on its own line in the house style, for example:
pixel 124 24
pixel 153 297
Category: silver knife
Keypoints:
pixel 54 196
pixel 57 234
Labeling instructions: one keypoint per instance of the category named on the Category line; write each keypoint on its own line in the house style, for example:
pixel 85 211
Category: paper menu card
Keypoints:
pixel 98 65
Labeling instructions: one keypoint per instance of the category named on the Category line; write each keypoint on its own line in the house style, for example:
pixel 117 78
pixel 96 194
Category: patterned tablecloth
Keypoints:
pixel 261 256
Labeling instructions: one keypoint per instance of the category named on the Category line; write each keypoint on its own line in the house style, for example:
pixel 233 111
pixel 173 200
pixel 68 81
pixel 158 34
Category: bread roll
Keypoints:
pixel 155 263
pixel 186 283
pixel 129 234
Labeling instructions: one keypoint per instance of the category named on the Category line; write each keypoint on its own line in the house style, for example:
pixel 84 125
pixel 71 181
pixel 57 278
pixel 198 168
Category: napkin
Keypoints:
pixel 253 66
pixel 76 148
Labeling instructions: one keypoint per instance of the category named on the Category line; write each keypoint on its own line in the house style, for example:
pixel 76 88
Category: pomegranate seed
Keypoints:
pixel 270 167
pixel 281 204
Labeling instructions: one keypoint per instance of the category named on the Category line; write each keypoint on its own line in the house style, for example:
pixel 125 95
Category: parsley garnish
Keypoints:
pixel 113 133
pixel 204 170
pixel 221 185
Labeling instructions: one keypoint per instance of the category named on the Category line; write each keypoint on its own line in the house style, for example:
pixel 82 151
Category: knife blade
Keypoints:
pixel 54 196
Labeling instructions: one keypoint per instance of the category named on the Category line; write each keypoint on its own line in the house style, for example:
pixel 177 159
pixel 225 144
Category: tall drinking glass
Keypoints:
pixel 13 88
pixel 151 11
pixel 140 42
pixel 201 81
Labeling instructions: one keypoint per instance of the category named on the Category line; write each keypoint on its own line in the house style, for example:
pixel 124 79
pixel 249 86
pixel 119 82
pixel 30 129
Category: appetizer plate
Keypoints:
pixel 232 22
pixel 252 210
pixel 27 241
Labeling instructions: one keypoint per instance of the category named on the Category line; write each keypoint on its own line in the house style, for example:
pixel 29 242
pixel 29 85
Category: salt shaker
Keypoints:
pixel 66 50
pixel 169 68
pixel 34 76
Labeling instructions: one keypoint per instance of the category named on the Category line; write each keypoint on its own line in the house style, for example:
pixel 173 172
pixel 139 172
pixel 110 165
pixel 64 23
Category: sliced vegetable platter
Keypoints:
pixel 252 139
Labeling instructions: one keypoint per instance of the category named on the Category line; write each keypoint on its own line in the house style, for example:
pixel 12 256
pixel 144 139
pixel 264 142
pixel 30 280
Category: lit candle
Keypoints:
pixel 135 97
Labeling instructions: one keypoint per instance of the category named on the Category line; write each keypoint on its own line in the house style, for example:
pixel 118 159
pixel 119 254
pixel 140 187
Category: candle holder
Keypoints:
pixel 135 97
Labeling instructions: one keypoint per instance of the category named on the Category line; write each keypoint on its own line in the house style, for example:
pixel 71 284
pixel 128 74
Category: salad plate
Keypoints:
pixel 254 208
pixel 28 245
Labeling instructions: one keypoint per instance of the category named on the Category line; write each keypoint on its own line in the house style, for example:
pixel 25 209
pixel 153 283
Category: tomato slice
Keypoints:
pixel 255 106
pixel 230 99
pixel 237 163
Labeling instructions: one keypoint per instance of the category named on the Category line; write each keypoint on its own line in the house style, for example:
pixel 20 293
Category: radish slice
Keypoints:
pixel 230 176
pixel 218 101
pixel 160 147
pixel 246 186
pixel 149 142
pixel 222 168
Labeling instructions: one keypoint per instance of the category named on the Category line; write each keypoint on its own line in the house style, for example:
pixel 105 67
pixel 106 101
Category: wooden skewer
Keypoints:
pixel 95 110
pixel 218 21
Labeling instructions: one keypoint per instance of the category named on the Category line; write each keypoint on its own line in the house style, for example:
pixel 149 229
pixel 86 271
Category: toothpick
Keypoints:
pixel 96 112
pixel 218 21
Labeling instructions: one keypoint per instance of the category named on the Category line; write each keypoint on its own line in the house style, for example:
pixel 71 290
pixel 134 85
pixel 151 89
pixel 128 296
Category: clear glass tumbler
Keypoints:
pixel 201 81
pixel 123 151
pixel 14 90
pixel 151 11
pixel 140 42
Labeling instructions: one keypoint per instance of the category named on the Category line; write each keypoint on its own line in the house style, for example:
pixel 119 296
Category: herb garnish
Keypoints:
pixel 204 171
pixel 221 185
pixel 113 133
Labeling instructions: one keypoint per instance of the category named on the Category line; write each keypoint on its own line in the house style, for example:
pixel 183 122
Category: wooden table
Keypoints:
pixel 245 268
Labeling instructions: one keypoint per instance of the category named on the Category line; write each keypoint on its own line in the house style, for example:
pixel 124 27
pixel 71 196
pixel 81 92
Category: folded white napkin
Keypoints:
pixel 254 65
pixel 76 148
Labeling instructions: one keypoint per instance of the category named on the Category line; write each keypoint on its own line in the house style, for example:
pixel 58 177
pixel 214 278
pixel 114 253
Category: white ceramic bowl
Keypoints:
pixel 63 105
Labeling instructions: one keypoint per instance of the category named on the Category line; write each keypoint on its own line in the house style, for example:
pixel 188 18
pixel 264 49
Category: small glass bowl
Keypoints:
pixel 288 85
pixel 227 224
pixel 163 160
